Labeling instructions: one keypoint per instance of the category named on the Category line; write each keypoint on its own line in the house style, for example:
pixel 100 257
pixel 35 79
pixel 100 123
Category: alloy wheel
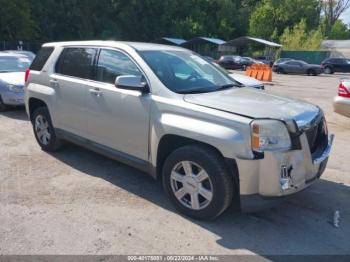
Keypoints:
pixel 42 129
pixel 191 185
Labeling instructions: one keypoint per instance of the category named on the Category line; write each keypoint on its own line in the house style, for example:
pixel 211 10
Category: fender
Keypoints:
pixel 41 92
pixel 228 140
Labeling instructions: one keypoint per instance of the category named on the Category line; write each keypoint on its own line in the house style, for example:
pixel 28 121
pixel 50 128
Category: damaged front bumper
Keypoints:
pixel 265 182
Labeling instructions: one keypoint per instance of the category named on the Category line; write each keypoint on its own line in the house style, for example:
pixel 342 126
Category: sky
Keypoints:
pixel 346 16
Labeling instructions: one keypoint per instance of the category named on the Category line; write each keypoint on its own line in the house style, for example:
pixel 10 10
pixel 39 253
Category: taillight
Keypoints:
pixel 343 91
pixel 26 75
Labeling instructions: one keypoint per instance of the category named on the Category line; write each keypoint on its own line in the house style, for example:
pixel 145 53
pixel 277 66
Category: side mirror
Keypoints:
pixel 132 82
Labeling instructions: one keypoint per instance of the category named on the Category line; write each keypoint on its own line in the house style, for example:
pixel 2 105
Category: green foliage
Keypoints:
pixel 141 20
pixel 339 31
pixel 271 17
pixel 15 20
pixel 299 39
pixel 146 20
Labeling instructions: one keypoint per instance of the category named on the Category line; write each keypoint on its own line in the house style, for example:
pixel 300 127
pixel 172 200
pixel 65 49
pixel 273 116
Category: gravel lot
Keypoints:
pixel 77 202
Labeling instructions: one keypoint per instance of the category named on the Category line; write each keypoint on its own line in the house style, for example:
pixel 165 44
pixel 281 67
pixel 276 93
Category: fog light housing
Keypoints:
pixel 285 179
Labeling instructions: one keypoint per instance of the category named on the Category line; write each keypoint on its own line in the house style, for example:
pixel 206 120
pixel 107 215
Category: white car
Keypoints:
pixel 248 81
pixel 242 79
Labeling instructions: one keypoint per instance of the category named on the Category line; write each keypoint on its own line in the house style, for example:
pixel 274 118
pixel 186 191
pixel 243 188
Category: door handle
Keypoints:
pixel 54 83
pixel 95 91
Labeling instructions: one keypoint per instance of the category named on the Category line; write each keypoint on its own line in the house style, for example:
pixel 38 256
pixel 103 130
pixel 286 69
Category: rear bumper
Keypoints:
pixel 341 106
pixel 265 182
pixel 11 98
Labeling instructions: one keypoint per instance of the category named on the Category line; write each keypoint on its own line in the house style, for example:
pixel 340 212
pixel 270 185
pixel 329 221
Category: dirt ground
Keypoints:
pixel 78 202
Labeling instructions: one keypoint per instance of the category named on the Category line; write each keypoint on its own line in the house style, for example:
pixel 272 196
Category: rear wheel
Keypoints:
pixel 44 131
pixel 3 107
pixel 197 182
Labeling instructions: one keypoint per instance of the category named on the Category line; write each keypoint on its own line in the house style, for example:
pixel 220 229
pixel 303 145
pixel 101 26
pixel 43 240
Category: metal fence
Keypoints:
pixel 312 57
pixel 20 45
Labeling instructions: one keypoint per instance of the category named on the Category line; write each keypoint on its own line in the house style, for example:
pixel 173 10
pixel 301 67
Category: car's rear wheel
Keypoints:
pixel 3 107
pixel 197 181
pixel 328 70
pixel 44 131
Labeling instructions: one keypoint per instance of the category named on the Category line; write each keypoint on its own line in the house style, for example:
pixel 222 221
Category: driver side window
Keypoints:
pixel 112 64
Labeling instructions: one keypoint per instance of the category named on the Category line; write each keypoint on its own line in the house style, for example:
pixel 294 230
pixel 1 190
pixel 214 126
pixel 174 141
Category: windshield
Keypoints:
pixel 14 64
pixel 185 72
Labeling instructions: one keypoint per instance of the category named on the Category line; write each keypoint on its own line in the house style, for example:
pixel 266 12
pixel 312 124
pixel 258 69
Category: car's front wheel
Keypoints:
pixel 197 181
pixel 280 71
pixel 328 70
pixel 44 131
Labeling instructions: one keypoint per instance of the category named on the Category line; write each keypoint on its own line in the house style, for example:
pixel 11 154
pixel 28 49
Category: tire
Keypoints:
pixel 311 72
pixel 280 71
pixel 3 107
pixel 328 70
pixel 216 179
pixel 43 130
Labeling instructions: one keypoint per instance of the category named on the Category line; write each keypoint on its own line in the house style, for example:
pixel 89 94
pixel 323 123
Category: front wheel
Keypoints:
pixel 43 130
pixel 280 71
pixel 197 181
pixel 328 70
pixel 311 73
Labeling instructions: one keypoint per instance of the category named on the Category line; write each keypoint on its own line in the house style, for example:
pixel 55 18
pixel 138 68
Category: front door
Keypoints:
pixel 117 118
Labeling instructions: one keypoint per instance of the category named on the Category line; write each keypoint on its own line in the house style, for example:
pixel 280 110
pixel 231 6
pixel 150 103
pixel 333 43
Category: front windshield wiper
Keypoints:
pixel 207 90
pixel 223 87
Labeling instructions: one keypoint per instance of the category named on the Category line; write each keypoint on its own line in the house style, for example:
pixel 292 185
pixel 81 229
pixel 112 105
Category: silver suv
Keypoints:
pixel 167 111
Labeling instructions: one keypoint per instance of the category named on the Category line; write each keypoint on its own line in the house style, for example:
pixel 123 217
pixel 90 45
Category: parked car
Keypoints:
pixel 265 59
pixel 166 111
pixel 334 65
pixel 248 81
pixel 229 62
pixel 28 54
pixel 281 60
pixel 244 81
pixel 342 100
pixel 236 62
pixel 297 67
pixel 12 68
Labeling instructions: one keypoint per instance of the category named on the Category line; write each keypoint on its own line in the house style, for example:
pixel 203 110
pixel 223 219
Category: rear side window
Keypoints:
pixel 77 62
pixel 41 58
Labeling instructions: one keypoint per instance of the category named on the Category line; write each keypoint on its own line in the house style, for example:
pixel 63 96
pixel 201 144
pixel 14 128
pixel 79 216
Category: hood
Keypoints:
pixel 246 80
pixel 252 103
pixel 13 78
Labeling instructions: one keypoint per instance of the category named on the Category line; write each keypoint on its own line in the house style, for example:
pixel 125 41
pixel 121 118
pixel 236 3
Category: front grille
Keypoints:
pixel 317 137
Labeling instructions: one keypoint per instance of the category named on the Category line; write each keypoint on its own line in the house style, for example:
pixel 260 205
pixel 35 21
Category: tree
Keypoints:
pixel 299 39
pixel 333 9
pixel 16 22
pixel 339 31
pixel 271 17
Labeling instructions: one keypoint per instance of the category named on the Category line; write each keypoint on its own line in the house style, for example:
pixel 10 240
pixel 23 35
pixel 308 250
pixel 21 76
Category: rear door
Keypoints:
pixel 339 65
pixel 73 76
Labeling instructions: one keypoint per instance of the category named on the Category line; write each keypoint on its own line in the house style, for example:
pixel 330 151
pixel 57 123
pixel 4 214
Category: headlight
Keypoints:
pixel 14 88
pixel 269 135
